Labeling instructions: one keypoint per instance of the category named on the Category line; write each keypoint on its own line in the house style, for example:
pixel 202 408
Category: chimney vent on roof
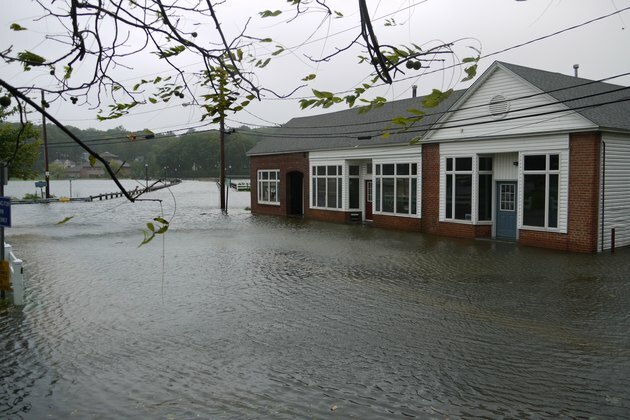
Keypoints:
pixel 414 91
pixel 575 69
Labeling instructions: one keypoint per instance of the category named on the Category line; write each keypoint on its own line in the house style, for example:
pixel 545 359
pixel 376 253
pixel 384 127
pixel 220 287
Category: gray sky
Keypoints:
pixel 601 48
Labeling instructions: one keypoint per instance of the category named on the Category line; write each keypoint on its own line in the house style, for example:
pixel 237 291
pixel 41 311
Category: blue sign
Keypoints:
pixel 5 211
pixel 40 184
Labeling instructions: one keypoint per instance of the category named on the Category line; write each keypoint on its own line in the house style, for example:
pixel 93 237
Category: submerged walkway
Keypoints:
pixel 155 186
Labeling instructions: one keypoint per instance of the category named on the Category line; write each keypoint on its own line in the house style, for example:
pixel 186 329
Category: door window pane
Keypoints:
pixel 507 198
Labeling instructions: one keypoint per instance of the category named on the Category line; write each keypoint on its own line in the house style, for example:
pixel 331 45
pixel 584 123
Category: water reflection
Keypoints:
pixel 282 318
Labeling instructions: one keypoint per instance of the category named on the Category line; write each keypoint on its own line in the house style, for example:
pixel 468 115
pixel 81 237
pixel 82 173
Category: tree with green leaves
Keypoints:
pixel 79 61
pixel 19 144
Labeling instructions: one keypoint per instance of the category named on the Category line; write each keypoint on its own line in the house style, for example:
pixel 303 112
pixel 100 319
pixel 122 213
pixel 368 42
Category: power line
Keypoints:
pixel 449 111
pixel 484 56
pixel 466 122
pixel 481 57
pixel 416 128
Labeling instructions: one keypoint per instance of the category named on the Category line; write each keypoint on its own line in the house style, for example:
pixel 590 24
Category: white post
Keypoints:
pixel 16 276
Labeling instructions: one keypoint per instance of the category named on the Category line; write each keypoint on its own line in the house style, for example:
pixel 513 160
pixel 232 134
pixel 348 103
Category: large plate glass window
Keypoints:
pixel 541 178
pixel 458 189
pixel 269 186
pixel 396 189
pixel 327 182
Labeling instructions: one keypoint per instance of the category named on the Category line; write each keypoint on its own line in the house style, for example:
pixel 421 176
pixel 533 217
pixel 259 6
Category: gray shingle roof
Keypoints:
pixel 342 129
pixel 566 89
pixel 349 128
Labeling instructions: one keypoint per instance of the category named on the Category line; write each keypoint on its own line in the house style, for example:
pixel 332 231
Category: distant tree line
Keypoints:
pixel 194 154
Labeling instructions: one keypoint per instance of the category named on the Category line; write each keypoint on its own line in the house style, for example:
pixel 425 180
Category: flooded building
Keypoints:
pixel 527 155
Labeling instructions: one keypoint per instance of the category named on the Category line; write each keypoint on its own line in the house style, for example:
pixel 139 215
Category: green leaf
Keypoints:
pixel 29 59
pixel 92 160
pixel 305 103
pixel 309 77
pixel 416 112
pixel 435 98
pixel 65 220
pixel 322 95
pixel 261 64
pixel 161 220
pixel 471 72
pixel 153 100
pixel 401 120
pixel 16 27
pixel 147 238
pixel 266 40
pixel 269 13
pixel 170 52
pixel 338 14
pixel 151 227
pixel 67 72
pixel 278 51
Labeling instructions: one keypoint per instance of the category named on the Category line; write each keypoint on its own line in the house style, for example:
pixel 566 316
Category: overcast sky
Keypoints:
pixel 601 48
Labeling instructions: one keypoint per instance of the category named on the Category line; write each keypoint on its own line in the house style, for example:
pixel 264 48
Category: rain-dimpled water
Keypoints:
pixel 247 316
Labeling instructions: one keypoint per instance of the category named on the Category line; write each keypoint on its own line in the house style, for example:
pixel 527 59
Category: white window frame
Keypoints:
pixel 269 182
pixel 547 172
pixel 473 173
pixel 338 177
pixel 378 176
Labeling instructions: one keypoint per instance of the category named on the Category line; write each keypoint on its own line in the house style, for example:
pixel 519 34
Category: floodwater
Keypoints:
pixel 243 316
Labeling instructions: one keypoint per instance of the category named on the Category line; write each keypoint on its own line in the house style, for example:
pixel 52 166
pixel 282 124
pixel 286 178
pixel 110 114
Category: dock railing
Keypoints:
pixel 16 275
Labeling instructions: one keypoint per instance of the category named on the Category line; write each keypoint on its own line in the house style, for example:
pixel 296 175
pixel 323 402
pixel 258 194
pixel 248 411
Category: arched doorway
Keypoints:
pixel 295 193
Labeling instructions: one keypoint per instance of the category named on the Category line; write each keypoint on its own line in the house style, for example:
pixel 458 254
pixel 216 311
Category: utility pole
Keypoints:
pixel 222 163
pixel 45 136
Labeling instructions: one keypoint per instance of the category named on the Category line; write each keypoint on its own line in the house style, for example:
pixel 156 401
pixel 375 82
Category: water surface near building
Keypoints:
pixel 243 316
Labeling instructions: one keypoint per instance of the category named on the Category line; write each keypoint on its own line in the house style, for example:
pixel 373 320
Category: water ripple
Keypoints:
pixel 261 317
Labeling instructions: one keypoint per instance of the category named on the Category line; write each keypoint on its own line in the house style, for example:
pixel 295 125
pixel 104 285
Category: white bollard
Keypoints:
pixel 17 280
pixel 16 276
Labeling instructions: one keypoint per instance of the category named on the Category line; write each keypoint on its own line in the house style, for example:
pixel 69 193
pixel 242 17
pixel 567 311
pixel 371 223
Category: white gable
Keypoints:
pixel 529 111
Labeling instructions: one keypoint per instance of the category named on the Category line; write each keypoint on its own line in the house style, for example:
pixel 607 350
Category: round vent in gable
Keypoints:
pixel 499 106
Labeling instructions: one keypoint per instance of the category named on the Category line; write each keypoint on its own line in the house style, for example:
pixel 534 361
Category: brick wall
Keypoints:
pixel 396 222
pixel 584 183
pixel 431 201
pixel 286 163
pixel 327 215
pixel 583 206
pixel 430 188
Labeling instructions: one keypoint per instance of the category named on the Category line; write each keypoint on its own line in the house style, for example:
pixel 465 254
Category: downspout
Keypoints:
pixel 603 203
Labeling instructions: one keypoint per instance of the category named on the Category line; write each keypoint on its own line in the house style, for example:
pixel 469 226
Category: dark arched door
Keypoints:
pixel 295 193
